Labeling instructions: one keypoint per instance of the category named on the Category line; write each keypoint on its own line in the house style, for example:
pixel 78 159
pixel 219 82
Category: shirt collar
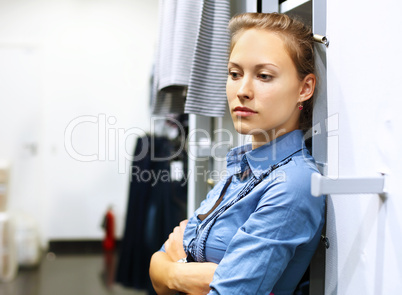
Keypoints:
pixel 260 159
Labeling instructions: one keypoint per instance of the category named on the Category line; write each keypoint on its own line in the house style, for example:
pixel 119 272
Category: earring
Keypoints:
pixel 300 106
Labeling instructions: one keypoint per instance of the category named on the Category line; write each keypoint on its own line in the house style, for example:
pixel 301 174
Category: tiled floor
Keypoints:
pixel 68 275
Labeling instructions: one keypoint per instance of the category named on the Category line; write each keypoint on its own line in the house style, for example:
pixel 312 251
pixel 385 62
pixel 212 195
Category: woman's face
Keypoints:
pixel 263 88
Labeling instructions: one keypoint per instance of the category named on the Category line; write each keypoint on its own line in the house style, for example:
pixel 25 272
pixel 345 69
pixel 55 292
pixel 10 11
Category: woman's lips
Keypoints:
pixel 243 112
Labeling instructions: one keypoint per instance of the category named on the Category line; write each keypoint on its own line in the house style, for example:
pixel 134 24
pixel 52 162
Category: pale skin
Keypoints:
pixel 263 78
pixel 264 92
pixel 169 276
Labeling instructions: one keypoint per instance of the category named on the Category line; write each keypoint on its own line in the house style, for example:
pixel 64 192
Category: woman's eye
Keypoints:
pixel 234 75
pixel 265 77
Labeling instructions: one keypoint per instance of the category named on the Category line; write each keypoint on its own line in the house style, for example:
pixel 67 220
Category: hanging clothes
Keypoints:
pixel 169 100
pixel 207 89
pixel 156 204
pixel 179 22
pixel 190 70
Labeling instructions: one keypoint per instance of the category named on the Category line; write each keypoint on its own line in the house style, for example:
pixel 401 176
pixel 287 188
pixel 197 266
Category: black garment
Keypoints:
pixel 154 209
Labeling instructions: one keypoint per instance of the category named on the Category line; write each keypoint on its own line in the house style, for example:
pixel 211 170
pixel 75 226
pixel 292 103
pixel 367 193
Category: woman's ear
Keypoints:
pixel 308 86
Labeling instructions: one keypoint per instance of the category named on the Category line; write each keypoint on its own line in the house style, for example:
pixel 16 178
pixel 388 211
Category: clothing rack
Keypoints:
pixel 259 5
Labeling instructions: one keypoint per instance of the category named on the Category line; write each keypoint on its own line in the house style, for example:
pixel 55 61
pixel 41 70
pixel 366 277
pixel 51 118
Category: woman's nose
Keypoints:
pixel 246 89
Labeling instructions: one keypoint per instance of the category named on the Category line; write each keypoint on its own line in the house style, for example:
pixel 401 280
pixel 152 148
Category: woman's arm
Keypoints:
pixel 274 246
pixel 161 273
pixel 169 276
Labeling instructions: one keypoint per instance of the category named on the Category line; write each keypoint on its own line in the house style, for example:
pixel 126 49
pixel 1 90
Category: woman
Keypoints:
pixel 257 230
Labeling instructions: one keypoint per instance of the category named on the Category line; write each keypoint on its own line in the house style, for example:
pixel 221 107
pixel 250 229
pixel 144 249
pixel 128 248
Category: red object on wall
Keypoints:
pixel 109 242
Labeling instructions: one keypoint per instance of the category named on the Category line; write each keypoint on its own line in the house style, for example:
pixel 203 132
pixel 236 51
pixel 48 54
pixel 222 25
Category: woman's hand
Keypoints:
pixel 169 277
pixel 174 245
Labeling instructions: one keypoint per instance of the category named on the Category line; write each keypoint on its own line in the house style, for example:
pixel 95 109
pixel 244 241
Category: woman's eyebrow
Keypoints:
pixel 233 64
pixel 266 64
pixel 230 63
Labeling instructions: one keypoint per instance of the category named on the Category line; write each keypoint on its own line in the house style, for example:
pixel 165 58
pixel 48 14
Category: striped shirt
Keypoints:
pixel 207 89
pixel 178 30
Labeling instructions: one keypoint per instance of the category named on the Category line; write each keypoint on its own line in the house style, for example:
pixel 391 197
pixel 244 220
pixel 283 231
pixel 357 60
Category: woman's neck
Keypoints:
pixel 259 139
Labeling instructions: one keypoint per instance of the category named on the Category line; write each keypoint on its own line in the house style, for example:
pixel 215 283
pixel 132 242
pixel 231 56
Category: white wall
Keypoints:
pixel 73 60
pixel 364 90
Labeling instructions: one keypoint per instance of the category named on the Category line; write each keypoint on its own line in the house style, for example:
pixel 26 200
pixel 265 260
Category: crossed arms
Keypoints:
pixel 169 276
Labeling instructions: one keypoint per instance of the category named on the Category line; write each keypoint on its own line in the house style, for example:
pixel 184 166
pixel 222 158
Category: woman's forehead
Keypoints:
pixel 260 46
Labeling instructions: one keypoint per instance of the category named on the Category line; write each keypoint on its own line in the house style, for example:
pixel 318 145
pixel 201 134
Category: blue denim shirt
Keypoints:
pixel 267 227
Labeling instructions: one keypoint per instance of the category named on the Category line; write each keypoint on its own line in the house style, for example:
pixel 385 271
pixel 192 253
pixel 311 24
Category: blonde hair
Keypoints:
pixel 298 41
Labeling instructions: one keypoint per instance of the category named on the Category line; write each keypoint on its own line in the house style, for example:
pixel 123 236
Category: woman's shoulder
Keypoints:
pixel 291 183
pixel 299 169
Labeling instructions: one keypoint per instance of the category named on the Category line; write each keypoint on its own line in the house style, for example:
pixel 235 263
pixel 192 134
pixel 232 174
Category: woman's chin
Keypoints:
pixel 242 130
pixel 246 130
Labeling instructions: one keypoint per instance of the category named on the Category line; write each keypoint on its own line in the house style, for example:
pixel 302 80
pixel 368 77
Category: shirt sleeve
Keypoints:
pixel 286 217
pixel 205 205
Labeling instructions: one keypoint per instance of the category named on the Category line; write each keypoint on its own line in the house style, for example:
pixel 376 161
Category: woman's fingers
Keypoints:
pixel 174 244
pixel 183 223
